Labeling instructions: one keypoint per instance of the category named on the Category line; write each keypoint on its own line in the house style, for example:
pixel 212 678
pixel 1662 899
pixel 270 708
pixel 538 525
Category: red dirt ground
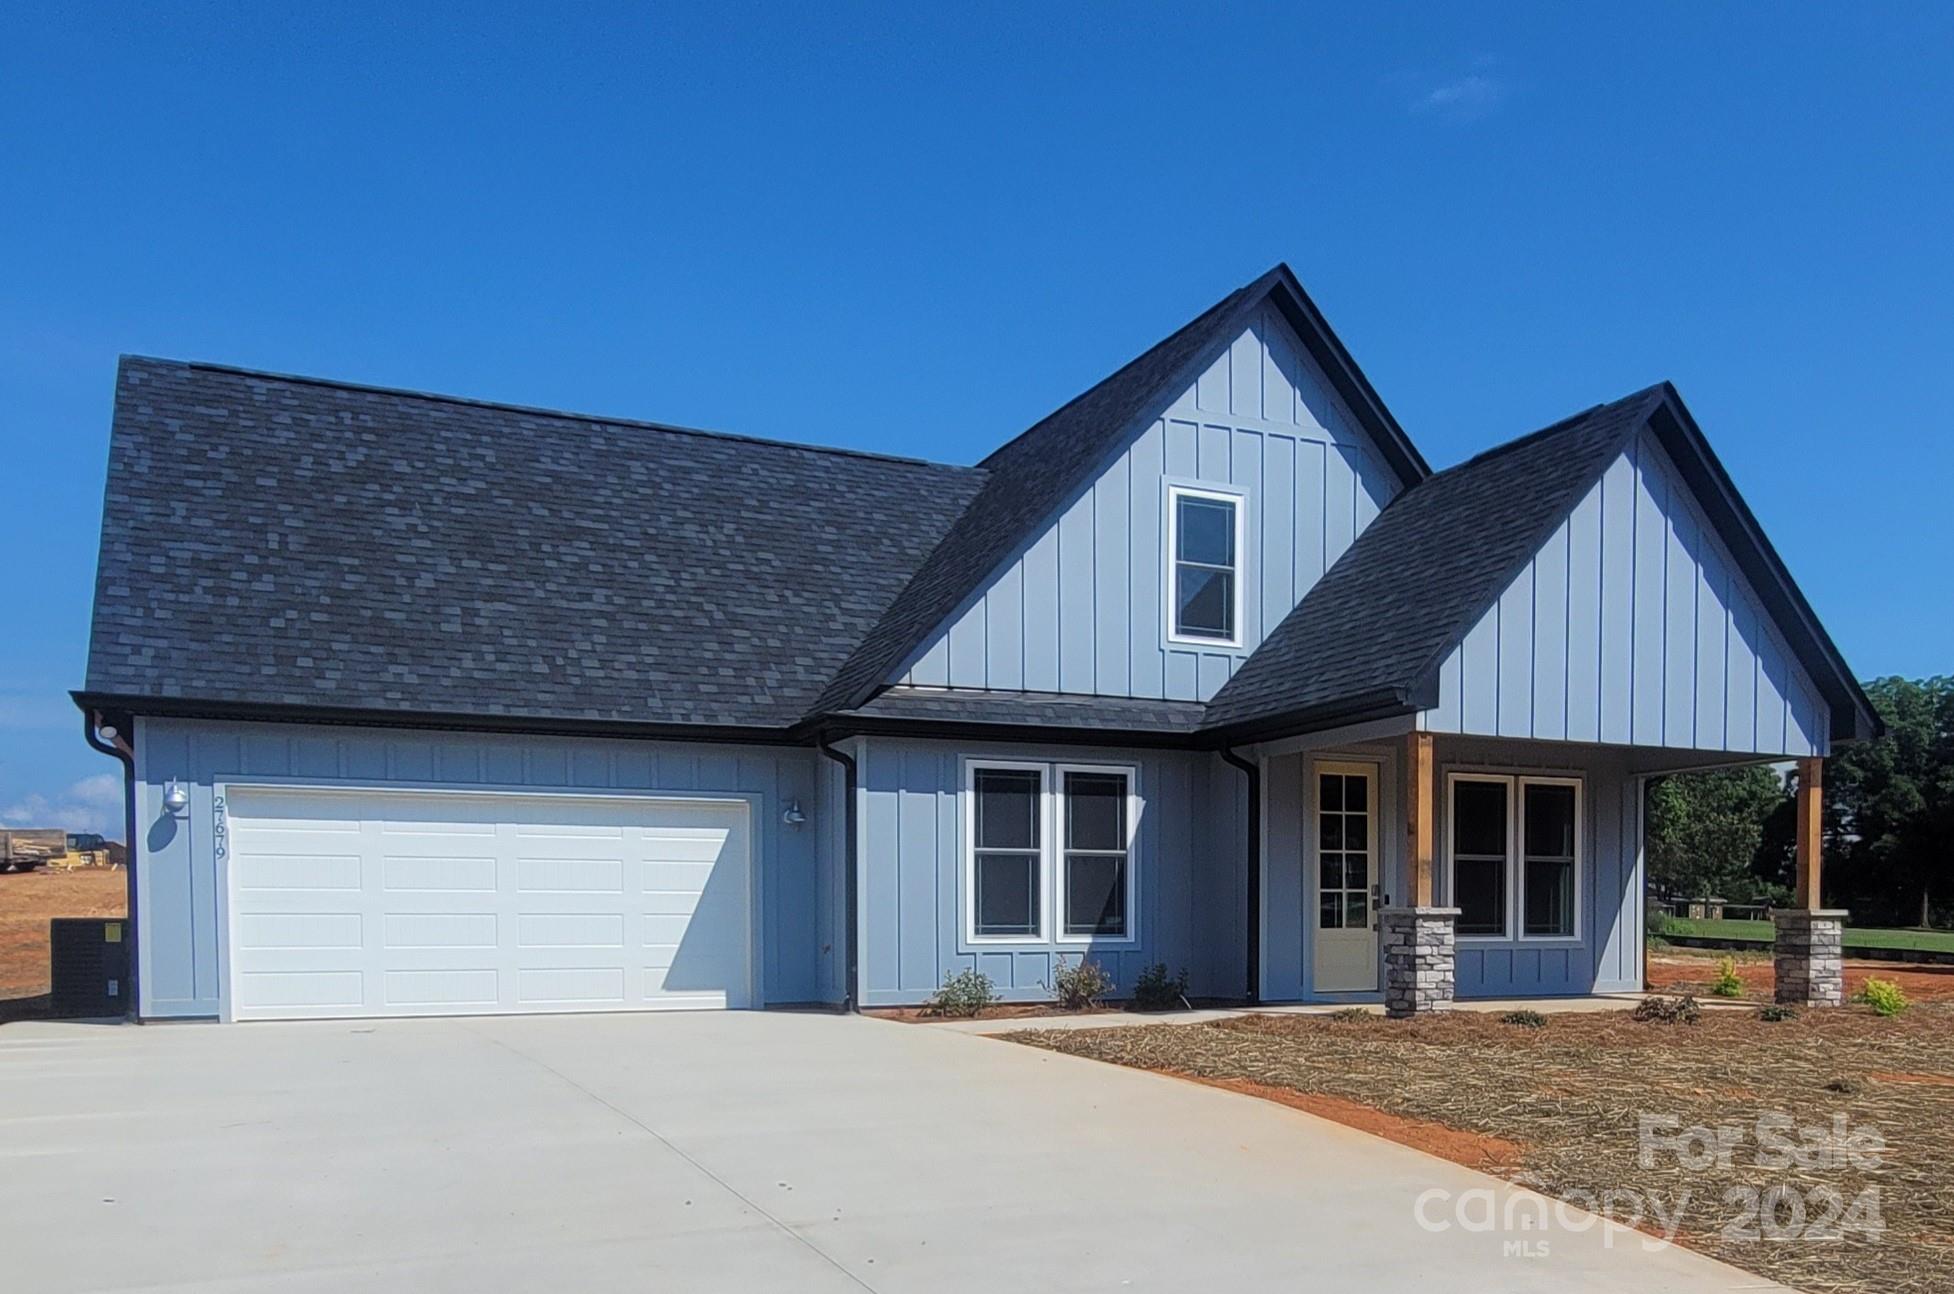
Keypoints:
pixel 1472 1149
pixel 28 899
pixel 1923 983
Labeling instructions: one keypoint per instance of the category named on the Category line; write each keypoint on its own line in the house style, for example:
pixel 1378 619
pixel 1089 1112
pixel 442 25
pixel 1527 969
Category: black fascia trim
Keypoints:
pixel 1379 703
pixel 358 717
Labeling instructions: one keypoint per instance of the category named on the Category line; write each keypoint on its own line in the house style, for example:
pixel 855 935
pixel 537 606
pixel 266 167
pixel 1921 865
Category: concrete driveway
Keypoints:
pixel 734 1151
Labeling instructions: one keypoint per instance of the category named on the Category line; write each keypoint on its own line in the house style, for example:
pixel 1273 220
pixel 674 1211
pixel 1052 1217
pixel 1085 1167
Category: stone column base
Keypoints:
pixel 1808 957
pixel 1418 955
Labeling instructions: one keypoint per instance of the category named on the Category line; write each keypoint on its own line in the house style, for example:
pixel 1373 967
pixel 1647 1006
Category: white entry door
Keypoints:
pixel 377 903
pixel 1344 803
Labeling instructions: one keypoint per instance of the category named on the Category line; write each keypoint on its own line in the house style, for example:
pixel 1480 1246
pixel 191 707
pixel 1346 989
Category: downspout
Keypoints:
pixel 1254 833
pixel 849 938
pixel 121 747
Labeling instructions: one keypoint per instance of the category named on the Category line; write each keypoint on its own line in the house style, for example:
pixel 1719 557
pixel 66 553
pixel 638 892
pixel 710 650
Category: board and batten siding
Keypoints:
pixel 1083 608
pixel 912 897
pixel 178 877
pixel 1608 956
pixel 1632 626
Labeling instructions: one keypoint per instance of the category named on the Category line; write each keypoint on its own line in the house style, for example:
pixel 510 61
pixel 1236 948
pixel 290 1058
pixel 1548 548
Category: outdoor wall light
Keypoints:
pixel 792 814
pixel 175 798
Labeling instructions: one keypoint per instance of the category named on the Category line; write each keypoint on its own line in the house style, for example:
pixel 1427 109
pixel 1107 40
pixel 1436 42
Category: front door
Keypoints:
pixel 1346 872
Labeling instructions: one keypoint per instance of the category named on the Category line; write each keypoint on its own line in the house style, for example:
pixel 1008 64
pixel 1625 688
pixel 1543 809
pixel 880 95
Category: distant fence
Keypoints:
pixel 1714 909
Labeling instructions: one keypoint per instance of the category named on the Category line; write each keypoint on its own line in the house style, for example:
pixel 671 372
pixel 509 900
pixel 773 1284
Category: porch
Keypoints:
pixel 1414 869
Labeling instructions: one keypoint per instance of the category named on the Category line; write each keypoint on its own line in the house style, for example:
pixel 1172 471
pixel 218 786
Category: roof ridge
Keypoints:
pixel 1648 393
pixel 1234 298
pixel 534 410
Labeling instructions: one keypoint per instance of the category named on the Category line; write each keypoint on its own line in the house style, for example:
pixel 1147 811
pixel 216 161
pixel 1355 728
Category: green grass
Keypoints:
pixel 1760 932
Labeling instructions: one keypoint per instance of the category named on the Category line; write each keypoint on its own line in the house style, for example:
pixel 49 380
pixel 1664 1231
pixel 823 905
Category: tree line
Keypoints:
pixel 1889 820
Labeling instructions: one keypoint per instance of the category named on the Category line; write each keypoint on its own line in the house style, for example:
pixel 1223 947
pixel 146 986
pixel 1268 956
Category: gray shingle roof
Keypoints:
pixel 1375 628
pixel 349 551
pixel 1043 710
pixel 285 541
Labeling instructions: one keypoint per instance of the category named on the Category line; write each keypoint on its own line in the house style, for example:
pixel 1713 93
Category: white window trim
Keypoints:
pixel 1514 931
pixel 1051 854
pixel 1171 564
pixel 968 821
pixel 1132 776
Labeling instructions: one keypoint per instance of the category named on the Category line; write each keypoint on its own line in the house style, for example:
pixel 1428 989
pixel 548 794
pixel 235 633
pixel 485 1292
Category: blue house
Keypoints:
pixel 437 706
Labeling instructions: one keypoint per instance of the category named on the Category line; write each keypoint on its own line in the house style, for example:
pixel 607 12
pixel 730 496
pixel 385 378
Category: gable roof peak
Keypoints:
pixel 1442 551
pixel 1033 475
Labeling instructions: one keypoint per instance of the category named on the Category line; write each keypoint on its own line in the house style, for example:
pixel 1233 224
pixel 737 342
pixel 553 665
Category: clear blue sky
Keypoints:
pixel 919 228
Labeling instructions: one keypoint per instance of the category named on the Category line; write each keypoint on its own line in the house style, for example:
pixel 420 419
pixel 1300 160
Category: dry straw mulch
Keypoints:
pixel 1572 1094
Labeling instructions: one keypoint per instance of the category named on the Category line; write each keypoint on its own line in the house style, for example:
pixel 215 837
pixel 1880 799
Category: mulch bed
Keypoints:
pixel 1570 1096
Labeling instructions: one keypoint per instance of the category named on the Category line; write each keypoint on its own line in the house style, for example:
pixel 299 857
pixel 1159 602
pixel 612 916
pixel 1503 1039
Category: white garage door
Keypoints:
pixel 371 903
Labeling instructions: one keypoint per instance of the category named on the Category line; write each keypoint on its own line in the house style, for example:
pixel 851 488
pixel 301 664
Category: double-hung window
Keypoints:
pixel 1204 549
pixel 1008 856
pixel 1098 853
pixel 1514 845
pixel 1050 852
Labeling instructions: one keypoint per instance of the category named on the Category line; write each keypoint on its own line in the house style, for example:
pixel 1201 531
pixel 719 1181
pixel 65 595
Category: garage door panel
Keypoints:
pixel 328 929
pixel 674 878
pixel 703 847
pixel 570 930
pixel 440 931
pixel 453 988
pixel 441 874
pixel 537 834
pixel 274 992
pixel 588 986
pixel 407 819
pixel 431 843
pixel 267 869
pixel 569 875
pixel 431 903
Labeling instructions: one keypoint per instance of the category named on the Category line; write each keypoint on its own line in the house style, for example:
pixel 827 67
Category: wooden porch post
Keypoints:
pixel 1419 937
pixel 1419 798
pixel 1811 828
pixel 1808 954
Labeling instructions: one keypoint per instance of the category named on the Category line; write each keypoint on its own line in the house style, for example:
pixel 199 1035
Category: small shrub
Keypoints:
pixel 1156 990
pixel 1777 1013
pixel 1525 1019
pixel 1727 983
pixel 1348 1013
pixel 1669 1010
pixel 1080 987
pixel 962 996
pixel 1660 924
pixel 1883 996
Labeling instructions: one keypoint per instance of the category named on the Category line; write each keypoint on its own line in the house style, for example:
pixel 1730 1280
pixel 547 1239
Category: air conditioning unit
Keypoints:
pixel 90 966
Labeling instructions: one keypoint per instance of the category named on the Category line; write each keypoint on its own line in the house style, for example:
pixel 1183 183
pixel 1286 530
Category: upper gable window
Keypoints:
pixel 1204 545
